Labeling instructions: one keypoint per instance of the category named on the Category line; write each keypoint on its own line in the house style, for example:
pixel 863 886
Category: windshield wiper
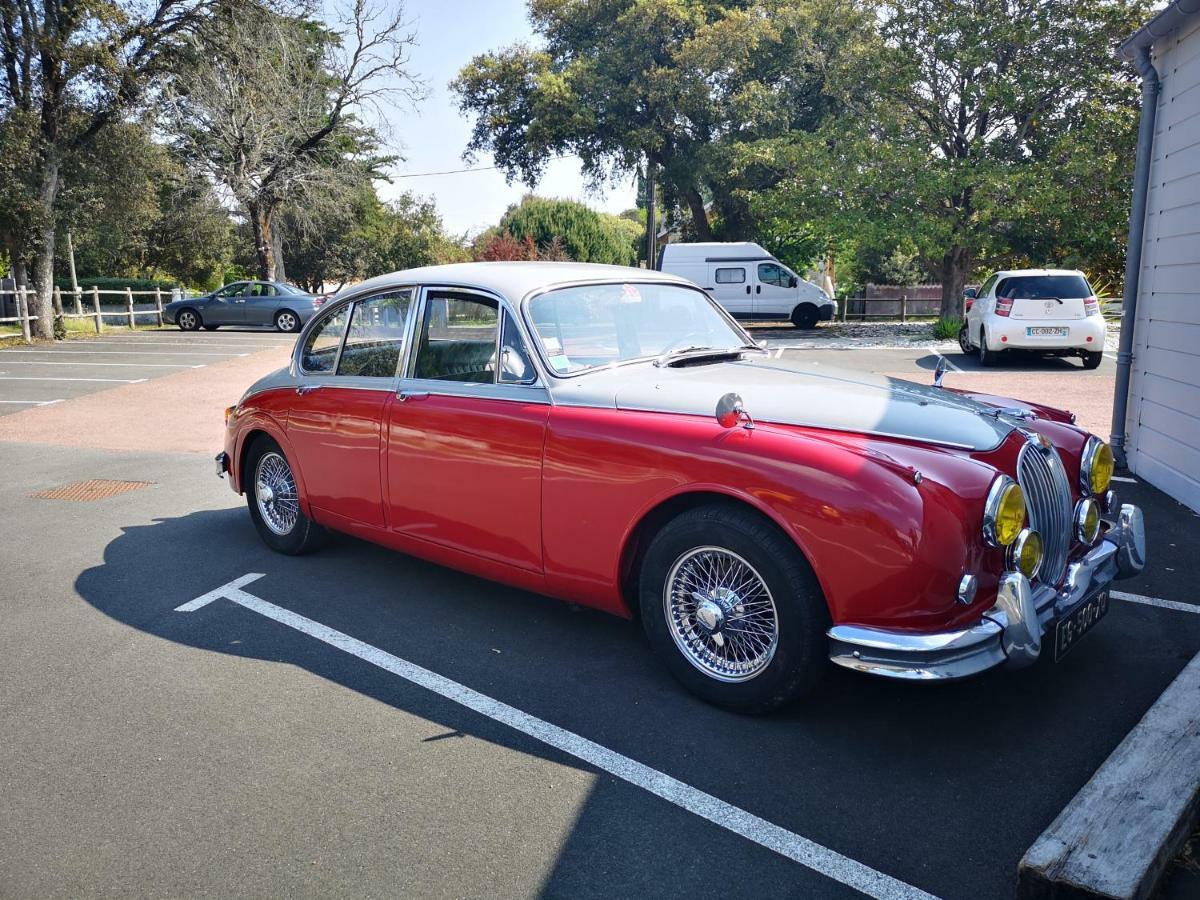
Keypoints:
pixel 691 354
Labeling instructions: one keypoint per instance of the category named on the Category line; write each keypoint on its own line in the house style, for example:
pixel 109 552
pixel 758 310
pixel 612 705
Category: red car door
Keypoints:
pixel 335 423
pixel 465 435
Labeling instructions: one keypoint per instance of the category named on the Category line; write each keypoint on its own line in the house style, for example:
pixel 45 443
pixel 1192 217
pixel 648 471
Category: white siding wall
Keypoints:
pixel 1164 399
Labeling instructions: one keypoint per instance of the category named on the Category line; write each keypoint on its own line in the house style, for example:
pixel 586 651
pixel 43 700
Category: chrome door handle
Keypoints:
pixel 307 388
pixel 402 396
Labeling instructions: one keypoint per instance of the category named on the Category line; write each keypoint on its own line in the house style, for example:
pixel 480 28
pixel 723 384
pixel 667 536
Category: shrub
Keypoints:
pixel 117 283
pixel 946 329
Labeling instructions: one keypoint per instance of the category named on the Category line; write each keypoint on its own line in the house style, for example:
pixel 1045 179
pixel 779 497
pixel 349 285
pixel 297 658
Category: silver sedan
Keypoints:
pixel 247 303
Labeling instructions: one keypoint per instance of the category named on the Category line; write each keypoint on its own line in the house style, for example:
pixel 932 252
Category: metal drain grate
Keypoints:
pixel 96 489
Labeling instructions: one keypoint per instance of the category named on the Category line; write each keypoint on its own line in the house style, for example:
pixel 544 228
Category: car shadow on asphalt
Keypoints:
pixel 912 779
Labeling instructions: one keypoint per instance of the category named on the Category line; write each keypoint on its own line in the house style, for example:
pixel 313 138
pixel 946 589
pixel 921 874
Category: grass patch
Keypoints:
pixel 946 329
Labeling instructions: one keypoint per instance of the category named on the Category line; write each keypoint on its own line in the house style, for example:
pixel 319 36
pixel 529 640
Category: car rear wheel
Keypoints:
pixel 733 608
pixel 188 319
pixel 274 501
pixel 1092 360
pixel 987 358
pixel 805 316
pixel 286 320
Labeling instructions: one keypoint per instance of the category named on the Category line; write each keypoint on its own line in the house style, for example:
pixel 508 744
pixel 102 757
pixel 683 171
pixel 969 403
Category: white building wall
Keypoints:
pixel 1163 424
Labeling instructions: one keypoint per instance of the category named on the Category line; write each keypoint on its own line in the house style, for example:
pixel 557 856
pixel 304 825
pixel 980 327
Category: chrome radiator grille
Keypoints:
pixel 1048 495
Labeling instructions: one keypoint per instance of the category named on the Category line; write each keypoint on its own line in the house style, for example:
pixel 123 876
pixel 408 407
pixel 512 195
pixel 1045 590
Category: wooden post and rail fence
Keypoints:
pixel 15 306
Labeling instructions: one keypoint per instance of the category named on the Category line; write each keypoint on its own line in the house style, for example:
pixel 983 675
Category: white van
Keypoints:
pixel 749 282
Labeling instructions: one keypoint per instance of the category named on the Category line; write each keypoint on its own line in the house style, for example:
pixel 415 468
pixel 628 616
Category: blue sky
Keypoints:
pixel 433 138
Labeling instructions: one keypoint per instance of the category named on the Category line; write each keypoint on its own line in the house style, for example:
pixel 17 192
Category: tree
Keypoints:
pixel 582 234
pixel 68 70
pixel 959 120
pixel 675 82
pixel 270 106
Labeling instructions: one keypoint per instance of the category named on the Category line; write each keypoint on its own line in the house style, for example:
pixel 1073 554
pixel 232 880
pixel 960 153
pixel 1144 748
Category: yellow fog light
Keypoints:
pixel 1096 467
pixel 1087 520
pixel 1004 512
pixel 1025 555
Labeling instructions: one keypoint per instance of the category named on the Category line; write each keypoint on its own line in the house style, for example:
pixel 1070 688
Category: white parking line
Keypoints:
pixel 1156 601
pixel 121 365
pixel 786 843
pixel 33 402
pixel 51 378
pixel 121 353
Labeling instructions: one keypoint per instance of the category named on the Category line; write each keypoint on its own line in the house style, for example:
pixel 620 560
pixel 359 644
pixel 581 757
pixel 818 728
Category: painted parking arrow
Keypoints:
pixel 799 849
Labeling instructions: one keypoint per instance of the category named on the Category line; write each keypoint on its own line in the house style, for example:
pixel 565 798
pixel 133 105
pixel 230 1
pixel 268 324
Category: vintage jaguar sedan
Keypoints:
pixel 610 436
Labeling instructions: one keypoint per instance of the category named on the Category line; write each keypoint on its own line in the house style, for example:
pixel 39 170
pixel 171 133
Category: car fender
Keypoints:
pixel 259 420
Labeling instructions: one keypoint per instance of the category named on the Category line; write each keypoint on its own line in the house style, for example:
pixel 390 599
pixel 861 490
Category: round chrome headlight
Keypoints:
pixel 1004 512
pixel 1025 554
pixel 1087 520
pixel 1096 467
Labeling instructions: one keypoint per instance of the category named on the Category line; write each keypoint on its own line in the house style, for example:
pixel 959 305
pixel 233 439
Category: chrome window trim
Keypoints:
pixel 349 301
pixel 521 393
pixel 544 362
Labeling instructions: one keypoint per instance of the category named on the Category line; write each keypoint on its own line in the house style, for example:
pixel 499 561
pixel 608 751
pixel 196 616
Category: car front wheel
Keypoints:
pixel 805 316
pixel 188 320
pixel 733 608
pixel 274 501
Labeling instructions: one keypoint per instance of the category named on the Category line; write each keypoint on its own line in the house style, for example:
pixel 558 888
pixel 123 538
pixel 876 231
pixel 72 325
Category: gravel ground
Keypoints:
pixel 874 336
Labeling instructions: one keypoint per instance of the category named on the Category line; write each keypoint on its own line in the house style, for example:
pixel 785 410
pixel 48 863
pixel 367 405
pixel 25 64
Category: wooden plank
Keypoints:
pixel 1116 837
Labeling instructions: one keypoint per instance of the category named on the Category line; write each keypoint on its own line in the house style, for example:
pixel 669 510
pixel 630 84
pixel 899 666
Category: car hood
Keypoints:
pixel 796 392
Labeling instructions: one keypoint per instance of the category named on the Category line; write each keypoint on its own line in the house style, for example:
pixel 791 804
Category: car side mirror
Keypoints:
pixel 970 293
pixel 730 412
pixel 793 281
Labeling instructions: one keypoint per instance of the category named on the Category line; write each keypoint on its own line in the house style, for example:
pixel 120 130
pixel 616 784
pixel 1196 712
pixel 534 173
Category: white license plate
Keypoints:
pixel 1046 331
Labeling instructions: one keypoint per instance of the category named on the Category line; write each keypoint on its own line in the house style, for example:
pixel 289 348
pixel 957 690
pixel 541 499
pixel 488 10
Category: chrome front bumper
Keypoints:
pixel 1010 632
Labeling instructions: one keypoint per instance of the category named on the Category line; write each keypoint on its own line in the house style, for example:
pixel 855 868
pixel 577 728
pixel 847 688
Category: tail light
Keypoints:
pixel 317 301
pixel 967 304
pixel 1091 306
pixel 1004 306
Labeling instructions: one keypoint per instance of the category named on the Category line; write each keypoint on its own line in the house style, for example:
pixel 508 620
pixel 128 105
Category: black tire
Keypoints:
pixel 304 535
pixel 987 358
pixel 1092 360
pixel 286 320
pixel 211 327
pixel 964 339
pixel 188 319
pixel 805 316
pixel 801 649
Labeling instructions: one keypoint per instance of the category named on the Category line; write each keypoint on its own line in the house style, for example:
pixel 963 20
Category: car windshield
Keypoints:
pixel 581 328
pixel 1025 287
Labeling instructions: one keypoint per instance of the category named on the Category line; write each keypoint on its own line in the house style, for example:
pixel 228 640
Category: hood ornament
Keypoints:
pixel 731 412
pixel 940 371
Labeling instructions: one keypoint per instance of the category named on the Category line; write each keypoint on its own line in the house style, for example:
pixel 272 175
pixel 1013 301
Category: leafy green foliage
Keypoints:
pixel 572 231
pixel 947 328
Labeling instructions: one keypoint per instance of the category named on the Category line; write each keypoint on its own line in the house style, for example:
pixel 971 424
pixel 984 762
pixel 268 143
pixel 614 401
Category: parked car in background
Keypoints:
pixel 749 282
pixel 611 436
pixel 1054 312
pixel 248 303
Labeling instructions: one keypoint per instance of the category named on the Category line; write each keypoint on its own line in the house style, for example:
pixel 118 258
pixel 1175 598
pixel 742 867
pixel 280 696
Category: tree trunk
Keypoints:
pixel 954 279
pixel 262 217
pixel 277 249
pixel 699 214
pixel 43 260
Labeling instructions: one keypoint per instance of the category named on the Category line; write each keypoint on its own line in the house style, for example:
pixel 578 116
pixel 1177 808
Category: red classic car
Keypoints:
pixel 612 437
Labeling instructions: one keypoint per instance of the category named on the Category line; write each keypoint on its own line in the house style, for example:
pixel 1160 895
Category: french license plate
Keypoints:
pixel 1077 623
pixel 1046 331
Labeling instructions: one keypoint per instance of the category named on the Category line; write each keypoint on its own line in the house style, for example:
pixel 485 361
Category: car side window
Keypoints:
pixel 376 336
pixel 987 286
pixel 458 339
pixel 770 273
pixel 321 349
pixel 731 276
pixel 234 290
pixel 515 365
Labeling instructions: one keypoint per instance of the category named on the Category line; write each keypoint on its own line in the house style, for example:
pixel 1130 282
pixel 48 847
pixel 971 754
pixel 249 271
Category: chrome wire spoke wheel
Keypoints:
pixel 275 492
pixel 721 614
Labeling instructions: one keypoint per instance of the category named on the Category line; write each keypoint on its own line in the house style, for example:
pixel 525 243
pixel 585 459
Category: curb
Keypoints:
pixel 1119 833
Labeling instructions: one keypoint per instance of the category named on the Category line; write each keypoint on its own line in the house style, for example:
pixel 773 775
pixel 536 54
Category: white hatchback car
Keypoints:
pixel 1048 311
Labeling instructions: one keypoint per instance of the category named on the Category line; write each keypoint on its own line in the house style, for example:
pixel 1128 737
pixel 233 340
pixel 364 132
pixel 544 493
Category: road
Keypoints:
pixel 154 752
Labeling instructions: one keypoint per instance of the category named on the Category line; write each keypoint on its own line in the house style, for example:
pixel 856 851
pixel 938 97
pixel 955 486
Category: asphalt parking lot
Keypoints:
pixel 50 373
pixel 290 744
